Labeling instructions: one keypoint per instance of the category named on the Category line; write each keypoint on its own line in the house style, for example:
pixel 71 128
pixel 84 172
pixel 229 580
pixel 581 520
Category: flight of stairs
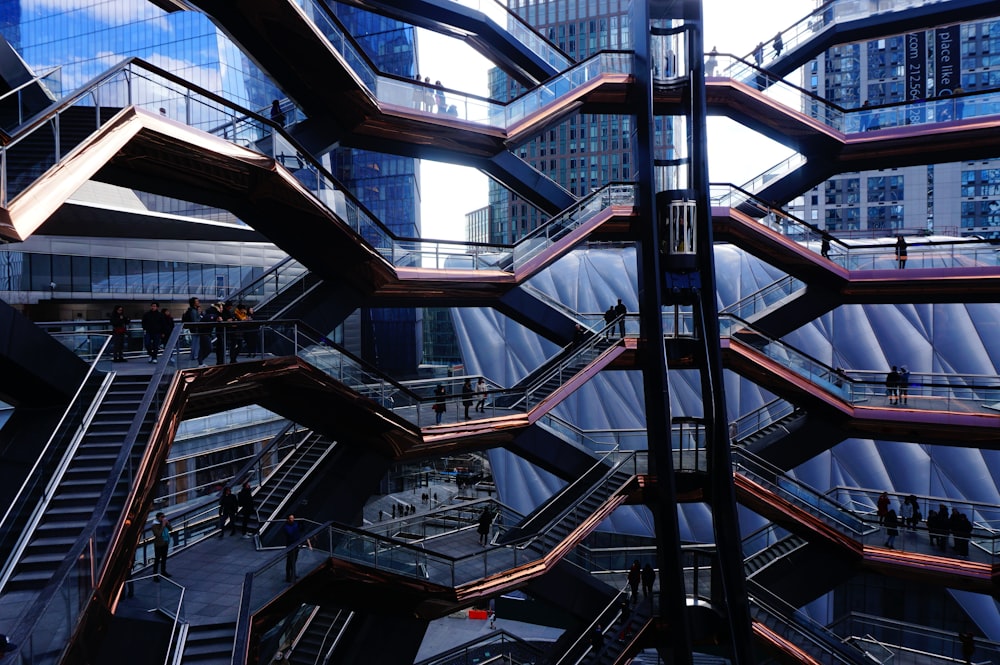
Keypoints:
pixel 72 503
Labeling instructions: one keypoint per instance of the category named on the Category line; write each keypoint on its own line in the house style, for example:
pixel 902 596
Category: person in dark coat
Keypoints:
pixel 153 325
pixel 620 312
pixel 891 528
pixel 245 501
pixel 485 520
pixel 634 577
pixel 648 577
pixel 228 505
pixel 212 315
pixel 161 544
pixel 882 507
pixel 290 529
pixel 892 385
pixel 440 406
pixel 609 318
pixel 467 395
pixel 597 638
pixel 119 328
pixel 277 115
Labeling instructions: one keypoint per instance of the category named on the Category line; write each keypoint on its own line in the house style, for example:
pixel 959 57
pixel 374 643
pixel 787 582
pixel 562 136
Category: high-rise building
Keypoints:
pixel 389 186
pixel 947 64
pixel 586 151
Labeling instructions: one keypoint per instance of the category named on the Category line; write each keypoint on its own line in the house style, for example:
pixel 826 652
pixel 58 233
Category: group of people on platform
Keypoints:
pixel 940 523
pixel 897 385
pixel 471 396
pixel 430 97
pixel 615 312
pixel 219 338
pixel 157 324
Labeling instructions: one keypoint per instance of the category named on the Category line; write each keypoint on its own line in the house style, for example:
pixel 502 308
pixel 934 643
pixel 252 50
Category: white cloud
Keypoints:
pixel 110 13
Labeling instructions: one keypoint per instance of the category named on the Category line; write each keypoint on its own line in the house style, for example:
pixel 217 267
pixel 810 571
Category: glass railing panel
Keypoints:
pixel 775 219
pixel 341 43
pixel 154 593
pixel 568 367
pixel 394 556
pixel 778 89
pixel 439 522
pixel 289 338
pixel 789 357
pixel 331 194
pixel 922 643
pixel 678 322
pixel 924 113
pixel 760 300
pixel 985 517
pixel 185 530
pixel 17 105
pixel 571 219
pixel 762 417
pixel 521 31
pixel 26 505
pixel 28 157
pixel 802 495
pixel 776 172
pixel 762 539
pixel 271 283
pixel 828 15
pixel 435 100
pixel 592 321
pixel 443 254
pixel 561 85
pixel 928 391
pixel 861 119
pixel 596 440
pixel 57 624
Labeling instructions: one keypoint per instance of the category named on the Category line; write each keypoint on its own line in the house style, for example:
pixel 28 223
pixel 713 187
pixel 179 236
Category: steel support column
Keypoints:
pixel 721 493
pixel 673 595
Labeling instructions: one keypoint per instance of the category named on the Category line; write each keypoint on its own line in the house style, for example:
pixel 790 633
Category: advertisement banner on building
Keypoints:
pixel 946 69
pixel 916 76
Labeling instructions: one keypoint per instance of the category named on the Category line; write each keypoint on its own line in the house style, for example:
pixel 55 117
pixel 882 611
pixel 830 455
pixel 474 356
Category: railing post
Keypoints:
pixel 58 139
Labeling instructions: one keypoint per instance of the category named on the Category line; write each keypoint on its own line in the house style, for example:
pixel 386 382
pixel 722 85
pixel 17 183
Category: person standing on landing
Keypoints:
pixel 292 533
pixel 901 252
pixel 245 501
pixel 481 395
pixel 620 312
pixel 161 544
pixel 228 506
pixel 119 327
pixel 882 507
pixel 467 395
pixel 193 315
pixel 152 327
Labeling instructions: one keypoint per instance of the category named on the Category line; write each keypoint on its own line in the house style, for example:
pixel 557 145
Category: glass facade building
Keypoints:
pixel 389 186
pixel 587 150
pixel 950 198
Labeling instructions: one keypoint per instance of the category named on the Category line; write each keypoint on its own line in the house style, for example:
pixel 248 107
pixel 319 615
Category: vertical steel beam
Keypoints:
pixel 721 492
pixel 673 595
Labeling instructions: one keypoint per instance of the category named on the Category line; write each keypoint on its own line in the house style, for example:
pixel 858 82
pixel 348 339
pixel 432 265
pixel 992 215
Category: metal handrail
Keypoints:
pixel 609 462
pixel 56 477
pixel 85 548
pixel 817 634
pixel 581 351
